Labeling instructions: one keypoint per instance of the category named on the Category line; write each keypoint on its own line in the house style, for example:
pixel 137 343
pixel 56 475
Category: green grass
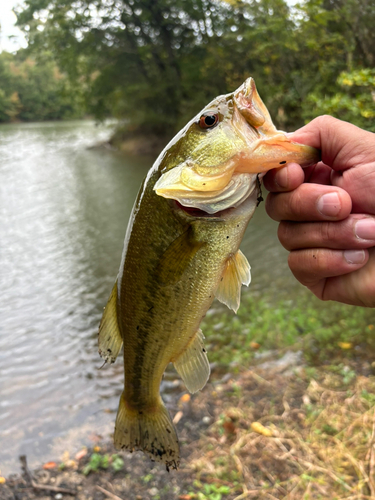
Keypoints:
pixel 322 330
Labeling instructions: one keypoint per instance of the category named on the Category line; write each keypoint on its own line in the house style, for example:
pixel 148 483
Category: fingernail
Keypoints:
pixel 281 178
pixel 354 256
pixel 365 229
pixel 329 204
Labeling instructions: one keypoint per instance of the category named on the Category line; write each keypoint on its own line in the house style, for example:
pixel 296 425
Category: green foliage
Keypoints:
pixel 323 331
pixel 210 491
pixel 98 461
pixel 31 90
pixel 155 64
pixel 354 103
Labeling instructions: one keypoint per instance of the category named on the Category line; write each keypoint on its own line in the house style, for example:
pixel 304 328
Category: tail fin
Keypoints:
pixel 152 432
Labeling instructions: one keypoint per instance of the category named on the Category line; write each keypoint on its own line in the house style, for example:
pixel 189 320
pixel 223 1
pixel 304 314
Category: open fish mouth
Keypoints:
pixel 233 140
pixel 229 200
pixel 238 189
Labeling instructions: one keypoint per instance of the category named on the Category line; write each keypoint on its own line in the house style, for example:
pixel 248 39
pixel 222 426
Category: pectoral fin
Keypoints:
pixel 177 257
pixel 110 340
pixel 192 365
pixel 236 273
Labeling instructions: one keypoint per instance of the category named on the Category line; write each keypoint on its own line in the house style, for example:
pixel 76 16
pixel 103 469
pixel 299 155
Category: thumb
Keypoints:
pixel 342 144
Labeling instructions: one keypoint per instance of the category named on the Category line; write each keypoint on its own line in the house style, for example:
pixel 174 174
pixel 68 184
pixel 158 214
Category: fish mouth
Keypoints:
pixel 239 188
pixel 210 212
pixel 197 212
pixel 256 147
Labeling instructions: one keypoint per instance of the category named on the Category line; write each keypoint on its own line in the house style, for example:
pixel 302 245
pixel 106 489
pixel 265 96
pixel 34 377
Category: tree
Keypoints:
pixel 154 64
pixel 35 91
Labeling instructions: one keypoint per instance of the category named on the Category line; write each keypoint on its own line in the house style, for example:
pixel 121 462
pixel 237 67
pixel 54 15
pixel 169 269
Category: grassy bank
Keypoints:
pixel 289 413
pixel 324 331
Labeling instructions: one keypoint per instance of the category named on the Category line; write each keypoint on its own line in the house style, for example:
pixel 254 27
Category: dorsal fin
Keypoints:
pixel 236 273
pixel 110 340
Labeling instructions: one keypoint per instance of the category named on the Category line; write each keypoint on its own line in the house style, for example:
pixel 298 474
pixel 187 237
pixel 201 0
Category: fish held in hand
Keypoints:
pixel 181 250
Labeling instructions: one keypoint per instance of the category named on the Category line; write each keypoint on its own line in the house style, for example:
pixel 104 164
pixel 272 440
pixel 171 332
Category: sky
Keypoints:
pixel 8 28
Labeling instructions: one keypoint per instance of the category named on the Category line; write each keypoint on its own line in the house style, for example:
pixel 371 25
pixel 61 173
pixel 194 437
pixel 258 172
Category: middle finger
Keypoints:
pixel 356 231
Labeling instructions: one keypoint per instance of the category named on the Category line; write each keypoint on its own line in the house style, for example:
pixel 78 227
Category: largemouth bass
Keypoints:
pixel 181 251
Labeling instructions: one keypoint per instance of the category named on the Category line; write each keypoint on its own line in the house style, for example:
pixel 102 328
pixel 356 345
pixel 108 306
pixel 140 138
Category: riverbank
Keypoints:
pixel 137 143
pixel 289 410
pixel 282 429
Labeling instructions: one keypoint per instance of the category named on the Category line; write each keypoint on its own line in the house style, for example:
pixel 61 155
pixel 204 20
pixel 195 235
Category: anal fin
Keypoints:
pixel 236 274
pixel 192 365
pixel 110 340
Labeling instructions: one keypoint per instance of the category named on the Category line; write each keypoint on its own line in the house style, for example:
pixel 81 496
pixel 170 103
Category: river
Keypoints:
pixel 63 214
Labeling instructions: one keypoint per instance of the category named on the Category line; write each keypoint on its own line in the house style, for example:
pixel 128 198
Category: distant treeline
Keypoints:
pixel 156 63
pixel 33 90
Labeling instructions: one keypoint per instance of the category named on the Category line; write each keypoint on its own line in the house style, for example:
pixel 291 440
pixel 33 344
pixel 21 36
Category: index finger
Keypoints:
pixel 284 179
pixel 342 144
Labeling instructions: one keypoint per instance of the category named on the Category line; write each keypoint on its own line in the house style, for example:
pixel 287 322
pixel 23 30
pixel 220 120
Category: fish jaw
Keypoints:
pixel 272 148
pixel 245 141
pixel 274 152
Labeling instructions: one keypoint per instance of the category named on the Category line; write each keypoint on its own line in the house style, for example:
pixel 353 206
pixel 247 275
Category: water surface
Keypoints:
pixel 63 215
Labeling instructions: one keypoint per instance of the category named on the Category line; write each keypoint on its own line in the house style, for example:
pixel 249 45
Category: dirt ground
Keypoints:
pixel 278 431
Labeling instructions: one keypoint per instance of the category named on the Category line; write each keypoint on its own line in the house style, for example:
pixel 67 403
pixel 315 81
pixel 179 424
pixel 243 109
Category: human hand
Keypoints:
pixel 327 212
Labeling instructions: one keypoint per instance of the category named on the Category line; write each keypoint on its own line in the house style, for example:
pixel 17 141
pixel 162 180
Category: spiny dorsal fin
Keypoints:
pixel 236 273
pixel 192 365
pixel 110 340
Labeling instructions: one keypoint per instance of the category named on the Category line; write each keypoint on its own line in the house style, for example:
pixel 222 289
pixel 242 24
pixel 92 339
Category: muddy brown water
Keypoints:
pixel 63 214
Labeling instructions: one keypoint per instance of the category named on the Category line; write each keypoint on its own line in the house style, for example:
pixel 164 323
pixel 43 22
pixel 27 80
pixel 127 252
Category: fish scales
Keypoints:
pixel 181 250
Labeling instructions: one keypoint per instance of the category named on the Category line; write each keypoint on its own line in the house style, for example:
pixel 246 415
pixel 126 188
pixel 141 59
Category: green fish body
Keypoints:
pixel 181 251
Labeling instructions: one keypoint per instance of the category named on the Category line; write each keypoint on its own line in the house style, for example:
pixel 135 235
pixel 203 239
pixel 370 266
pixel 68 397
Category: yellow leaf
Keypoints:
pixel 2 480
pixel 345 345
pixel 260 429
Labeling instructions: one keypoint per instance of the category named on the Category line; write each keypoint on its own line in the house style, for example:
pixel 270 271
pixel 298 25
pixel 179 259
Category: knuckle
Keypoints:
pixel 285 233
pixel 327 232
pixel 294 204
pixel 325 121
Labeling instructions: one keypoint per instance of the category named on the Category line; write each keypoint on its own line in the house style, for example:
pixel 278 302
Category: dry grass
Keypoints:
pixel 322 444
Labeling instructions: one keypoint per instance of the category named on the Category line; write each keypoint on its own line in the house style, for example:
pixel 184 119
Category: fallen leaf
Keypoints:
pixel 254 345
pixel 50 465
pixel 345 345
pixel 260 429
pixel 229 427
pixel 177 417
pixel 82 453
pixel 185 398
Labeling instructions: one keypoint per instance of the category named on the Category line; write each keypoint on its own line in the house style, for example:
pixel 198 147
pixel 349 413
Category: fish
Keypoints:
pixel 181 251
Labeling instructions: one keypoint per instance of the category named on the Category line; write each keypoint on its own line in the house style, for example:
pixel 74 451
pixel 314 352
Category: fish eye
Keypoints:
pixel 208 120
